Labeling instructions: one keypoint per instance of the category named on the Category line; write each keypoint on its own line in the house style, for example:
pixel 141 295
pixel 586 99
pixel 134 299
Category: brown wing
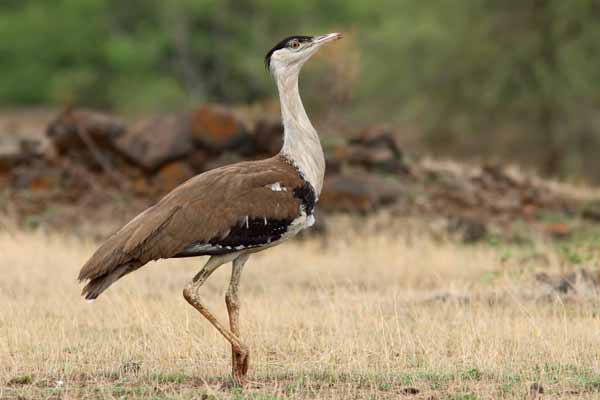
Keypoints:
pixel 204 210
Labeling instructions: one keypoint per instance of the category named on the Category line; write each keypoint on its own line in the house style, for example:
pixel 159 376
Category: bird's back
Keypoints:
pixel 232 208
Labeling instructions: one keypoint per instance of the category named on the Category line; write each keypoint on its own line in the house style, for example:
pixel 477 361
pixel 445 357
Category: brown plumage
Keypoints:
pixel 230 212
pixel 203 209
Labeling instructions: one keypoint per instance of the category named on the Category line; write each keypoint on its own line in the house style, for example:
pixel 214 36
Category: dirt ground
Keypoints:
pixel 362 314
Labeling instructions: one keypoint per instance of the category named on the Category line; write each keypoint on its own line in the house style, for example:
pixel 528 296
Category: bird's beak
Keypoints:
pixel 323 39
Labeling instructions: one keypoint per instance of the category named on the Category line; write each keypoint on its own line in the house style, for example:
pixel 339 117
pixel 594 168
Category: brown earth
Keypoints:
pixel 54 173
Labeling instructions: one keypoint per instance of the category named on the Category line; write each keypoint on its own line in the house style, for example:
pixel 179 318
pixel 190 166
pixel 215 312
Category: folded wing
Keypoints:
pixel 233 208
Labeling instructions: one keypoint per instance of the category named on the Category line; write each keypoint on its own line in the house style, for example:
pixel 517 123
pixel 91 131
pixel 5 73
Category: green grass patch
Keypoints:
pixel 178 377
pixel 590 383
pixel 21 380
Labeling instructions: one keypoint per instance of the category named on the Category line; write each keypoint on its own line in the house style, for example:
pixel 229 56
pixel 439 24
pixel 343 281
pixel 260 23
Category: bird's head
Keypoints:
pixel 293 51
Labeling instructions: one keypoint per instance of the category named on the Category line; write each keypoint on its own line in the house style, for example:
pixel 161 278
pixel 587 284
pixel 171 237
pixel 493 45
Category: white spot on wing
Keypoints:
pixel 276 187
pixel 247 225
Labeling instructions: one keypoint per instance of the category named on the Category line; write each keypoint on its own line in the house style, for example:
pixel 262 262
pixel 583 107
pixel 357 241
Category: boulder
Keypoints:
pixel 65 131
pixel 10 152
pixel 36 175
pixel 172 175
pixel 151 143
pixel 15 150
pixel 358 193
pixel 224 159
pixel 378 159
pixel 217 127
pixel 268 136
pixel 379 136
pixel 198 160
pixel 374 149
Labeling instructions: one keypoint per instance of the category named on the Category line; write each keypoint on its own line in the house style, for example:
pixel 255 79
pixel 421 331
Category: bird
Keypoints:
pixel 231 212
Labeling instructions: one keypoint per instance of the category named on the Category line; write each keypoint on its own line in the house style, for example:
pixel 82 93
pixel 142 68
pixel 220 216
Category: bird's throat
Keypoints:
pixel 301 143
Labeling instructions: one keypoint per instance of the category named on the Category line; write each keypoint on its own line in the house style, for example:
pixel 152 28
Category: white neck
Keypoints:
pixel 301 143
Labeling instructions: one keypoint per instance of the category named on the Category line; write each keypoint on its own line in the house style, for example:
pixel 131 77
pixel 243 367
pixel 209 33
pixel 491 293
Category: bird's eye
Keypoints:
pixel 295 44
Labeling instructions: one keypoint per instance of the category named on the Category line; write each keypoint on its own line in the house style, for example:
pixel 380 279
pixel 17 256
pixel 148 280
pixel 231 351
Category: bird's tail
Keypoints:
pixel 99 284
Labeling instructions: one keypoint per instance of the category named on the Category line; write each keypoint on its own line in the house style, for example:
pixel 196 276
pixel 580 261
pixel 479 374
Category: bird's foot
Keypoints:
pixel 240 364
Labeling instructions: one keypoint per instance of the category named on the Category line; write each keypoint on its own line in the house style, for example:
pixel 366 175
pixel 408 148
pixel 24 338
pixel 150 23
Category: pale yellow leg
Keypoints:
pixel 239 361
pixel 190 293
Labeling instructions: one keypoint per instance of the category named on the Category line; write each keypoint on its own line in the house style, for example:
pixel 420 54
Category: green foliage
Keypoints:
pixel 516 79
pixel 146 54
pixel 525 69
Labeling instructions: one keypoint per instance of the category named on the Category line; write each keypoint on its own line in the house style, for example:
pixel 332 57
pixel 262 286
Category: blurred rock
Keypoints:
pixel 172 175
pixel 43 183
pixel 140 185
pixel 65 131
pixel 379 136
pixel 15 150
pixel 365 173
pixel 222 160
pixel 359 193
pixel 346 194
pixel 372 159
pixel 218 128
pixel 492 175
pixel 153 142
pixel 198 160
pixel 268 136
pixel 377 148
pixel 37 176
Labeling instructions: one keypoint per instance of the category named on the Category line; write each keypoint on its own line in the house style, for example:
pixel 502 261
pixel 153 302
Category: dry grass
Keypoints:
pixel 369 317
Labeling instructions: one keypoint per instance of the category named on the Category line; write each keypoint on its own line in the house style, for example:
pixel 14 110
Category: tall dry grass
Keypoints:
pixel 371 315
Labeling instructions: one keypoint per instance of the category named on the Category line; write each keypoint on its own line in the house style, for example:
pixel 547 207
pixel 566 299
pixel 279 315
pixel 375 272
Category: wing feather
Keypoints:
pixel 205 207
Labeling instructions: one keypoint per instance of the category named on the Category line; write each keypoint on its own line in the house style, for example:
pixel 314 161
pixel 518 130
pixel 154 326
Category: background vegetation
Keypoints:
pixel 491 79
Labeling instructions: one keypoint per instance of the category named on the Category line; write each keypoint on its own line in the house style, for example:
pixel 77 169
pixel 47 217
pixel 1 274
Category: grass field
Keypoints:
pixel 357 316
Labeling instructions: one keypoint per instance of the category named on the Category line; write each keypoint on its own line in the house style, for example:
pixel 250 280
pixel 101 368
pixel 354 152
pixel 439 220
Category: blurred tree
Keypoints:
pixel 146 54
pixel 48 52
pixel 521 74
pixel 516 79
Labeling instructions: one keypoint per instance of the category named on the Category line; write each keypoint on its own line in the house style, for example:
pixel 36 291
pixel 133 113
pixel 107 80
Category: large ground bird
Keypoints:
pixel 231 212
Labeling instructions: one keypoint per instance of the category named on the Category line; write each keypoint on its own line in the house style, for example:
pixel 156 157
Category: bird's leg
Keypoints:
pixel 190 293
pixel 239 361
